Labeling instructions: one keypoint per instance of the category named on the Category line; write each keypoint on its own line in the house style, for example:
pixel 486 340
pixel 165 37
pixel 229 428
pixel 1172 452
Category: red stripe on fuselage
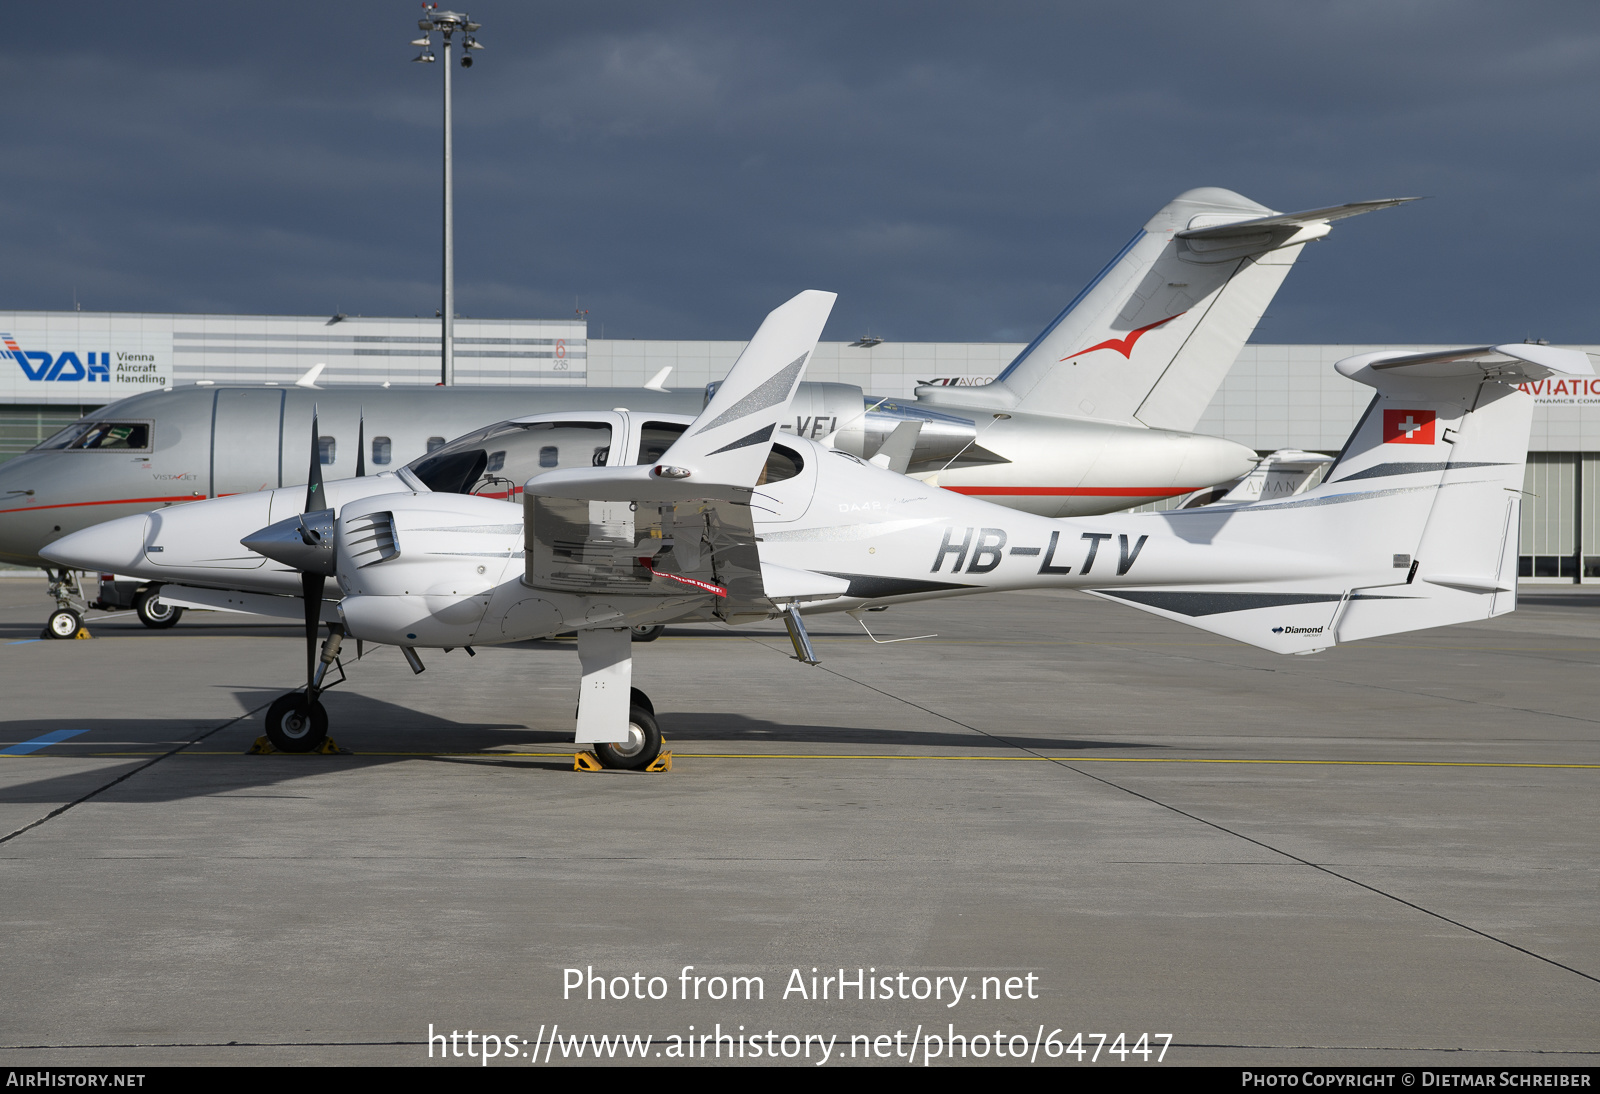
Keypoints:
pixel 1075 491
pixel 110 501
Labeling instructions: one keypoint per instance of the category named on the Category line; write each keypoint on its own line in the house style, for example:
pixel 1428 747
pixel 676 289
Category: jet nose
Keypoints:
pixel 116 546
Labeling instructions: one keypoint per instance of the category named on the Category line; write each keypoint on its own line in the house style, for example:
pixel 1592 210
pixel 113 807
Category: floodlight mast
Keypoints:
pixel 447 23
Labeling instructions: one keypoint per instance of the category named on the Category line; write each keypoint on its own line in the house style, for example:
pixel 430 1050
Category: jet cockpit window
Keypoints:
pixel 520 451
pixel 102 436
pixel 656 437
pixel 64 438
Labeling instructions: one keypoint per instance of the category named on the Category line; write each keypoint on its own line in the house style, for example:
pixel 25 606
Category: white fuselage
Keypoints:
pixel 458 576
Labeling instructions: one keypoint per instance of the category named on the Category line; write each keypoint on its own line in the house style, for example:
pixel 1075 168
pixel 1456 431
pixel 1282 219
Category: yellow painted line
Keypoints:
pixel 872 756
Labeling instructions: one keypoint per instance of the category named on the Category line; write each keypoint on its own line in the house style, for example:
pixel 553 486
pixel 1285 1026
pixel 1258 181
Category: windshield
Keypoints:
pixel 121 436
pixel 496 461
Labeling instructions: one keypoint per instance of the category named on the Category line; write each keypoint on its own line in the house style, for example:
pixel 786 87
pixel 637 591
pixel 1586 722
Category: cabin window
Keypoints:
pixel 434 444
pixel 655 438
pixel 496 461
pixel 326 447
pixel 382 450
pixel 782 463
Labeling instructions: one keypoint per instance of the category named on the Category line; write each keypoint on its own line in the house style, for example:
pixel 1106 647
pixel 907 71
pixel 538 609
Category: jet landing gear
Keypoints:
pixel 63 623
pixel 67 620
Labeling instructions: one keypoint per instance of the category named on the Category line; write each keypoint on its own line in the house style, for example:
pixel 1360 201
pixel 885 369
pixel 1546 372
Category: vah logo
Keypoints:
pixel 39 365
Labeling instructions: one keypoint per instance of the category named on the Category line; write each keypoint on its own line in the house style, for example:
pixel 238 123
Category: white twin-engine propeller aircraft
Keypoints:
pixel 638 519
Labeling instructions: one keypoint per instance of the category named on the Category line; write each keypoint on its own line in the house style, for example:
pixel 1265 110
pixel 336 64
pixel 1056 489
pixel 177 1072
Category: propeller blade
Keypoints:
pixel 361 446
pixel 314 492
pixel 311 590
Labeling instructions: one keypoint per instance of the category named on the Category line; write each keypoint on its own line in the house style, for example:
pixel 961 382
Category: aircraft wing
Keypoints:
pixel 682 526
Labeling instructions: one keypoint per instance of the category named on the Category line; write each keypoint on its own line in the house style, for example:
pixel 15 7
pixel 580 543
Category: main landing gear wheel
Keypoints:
pixel 154 612
pixel 64 623
pixel 640 749
pixel 295 726
pixel 648 634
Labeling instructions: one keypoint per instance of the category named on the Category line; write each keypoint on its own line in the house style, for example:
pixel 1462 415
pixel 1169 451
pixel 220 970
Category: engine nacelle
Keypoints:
pixel 421 569
pixel 860 423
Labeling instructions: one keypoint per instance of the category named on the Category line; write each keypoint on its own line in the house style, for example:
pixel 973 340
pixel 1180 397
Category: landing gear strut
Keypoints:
pixel 296 721
pixel 615 718
pixel 67 619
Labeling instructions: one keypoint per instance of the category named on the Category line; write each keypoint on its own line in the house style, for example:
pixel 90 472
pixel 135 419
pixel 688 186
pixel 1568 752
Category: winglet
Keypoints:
pixel 310 378
pixel 723 451
pixel 728 443
pixel 658 382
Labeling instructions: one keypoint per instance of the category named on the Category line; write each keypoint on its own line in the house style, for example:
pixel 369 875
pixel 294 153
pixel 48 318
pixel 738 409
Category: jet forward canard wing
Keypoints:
pixel 681 526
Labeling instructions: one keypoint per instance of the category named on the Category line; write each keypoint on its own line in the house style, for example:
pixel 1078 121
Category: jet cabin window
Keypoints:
pixel 382 450
pixel 102 437
pixel 496 461
pixel 656 437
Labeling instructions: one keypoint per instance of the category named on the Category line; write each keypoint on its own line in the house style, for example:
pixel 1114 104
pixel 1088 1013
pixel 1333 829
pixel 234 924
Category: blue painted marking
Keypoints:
pixel 40 742
pixel 25 642
pixel 1099 277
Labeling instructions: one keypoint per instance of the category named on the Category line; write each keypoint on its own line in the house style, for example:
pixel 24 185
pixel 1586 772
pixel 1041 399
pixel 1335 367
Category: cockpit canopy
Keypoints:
pixel 496 461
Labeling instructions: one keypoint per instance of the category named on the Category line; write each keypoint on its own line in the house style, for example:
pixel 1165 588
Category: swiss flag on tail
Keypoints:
pixel 1408 426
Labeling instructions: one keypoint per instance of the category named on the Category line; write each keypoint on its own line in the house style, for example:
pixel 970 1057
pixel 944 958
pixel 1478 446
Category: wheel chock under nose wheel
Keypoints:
pixel 263 747
pixel 588 761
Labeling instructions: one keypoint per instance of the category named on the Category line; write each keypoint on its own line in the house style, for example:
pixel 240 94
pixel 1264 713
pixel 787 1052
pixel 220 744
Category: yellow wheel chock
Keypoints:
pixel 588 761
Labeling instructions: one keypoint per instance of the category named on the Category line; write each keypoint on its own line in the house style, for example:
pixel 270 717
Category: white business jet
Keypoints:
pixel 639 519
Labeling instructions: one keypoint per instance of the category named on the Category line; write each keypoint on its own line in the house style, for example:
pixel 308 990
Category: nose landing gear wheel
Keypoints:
pixel 62 624
pixel 155 613
pixel 648 634
pixel 295 726
pixel 640 749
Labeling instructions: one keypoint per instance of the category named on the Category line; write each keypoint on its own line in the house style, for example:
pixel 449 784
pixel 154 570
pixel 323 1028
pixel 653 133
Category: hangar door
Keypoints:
pixel 1561 518
pixel 245 434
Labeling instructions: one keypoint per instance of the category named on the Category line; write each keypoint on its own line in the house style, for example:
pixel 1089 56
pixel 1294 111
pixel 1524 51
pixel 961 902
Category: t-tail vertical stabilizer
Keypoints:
pixel 1152 336
pixel 1415 526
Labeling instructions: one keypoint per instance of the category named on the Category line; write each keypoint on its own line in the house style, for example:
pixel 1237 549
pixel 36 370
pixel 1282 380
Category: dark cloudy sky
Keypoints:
pixel 955 171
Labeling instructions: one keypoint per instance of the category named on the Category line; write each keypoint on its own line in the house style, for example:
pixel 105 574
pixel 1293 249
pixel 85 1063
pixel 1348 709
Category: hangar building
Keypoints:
pixel 57 366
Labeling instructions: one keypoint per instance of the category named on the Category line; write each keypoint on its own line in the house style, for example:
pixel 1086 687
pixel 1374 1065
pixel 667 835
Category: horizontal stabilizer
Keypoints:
pixel 1511 363
pixel 1240 228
